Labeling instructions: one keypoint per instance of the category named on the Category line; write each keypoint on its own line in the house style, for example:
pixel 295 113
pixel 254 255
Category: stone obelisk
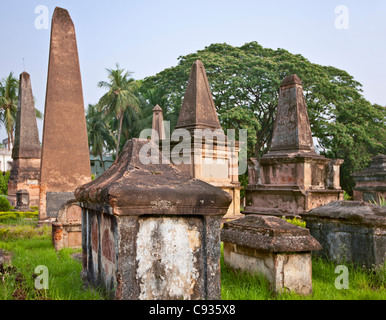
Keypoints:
pixel 26 150
pixel 292 130
pixel 65 162
pixel 198 110
pixel 198 114
pixel 291 178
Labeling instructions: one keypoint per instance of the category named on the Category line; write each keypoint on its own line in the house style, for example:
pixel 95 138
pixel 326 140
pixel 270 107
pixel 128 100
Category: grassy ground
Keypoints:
pixel 31 246
pixel 363 284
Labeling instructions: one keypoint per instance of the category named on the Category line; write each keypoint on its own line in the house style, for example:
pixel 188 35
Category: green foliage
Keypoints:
pixel 380 202
pixel 4 183
pixel 346 196
pixel 363 284
pixel 16 216
pixel 65 282
pixel 31 246
pixel 100 138
pixel 9 87
pixel 119 100
pixel 4 204
pixel 295 221
pixel 23 231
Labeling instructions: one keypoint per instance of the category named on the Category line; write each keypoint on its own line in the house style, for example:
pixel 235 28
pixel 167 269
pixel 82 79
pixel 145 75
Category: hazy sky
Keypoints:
pixel 148 36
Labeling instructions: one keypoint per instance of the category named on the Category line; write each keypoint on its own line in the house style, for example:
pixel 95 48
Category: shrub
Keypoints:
pixel 4 204
pixel 296 222
pixel 14 215
pixel 346 196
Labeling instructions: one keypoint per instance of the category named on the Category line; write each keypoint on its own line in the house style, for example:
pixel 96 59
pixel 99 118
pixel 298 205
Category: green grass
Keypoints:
pixel 31 246
pixel 363 284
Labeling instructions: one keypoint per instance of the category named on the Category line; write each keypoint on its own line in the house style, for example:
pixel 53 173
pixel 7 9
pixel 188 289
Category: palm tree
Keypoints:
pixel 8 104
pixel 99 137
pixel 119 97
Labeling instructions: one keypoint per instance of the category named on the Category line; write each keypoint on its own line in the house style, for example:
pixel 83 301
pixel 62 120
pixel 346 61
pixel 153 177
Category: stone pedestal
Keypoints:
pixel 291 178
pixel 22 201
pixel 150 231
pixel 370 184
pixel 272 247
pixel 67 228
pixel 350 231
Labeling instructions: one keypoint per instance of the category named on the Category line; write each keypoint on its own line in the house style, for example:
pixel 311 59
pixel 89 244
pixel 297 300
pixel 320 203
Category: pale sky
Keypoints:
pixel 146 37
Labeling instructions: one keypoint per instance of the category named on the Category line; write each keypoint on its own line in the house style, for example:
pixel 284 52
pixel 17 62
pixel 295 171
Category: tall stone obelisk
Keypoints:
pixel 65 162
pixel 291 178
pixel 26 150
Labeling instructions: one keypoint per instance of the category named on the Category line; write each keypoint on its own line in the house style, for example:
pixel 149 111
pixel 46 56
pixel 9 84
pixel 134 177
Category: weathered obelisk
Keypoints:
pixel 198 110
pixel 213 160
pixel 26 150
pixel 291 178
pixel 65 162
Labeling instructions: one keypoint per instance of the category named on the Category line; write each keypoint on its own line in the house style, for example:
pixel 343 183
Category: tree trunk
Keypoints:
pixel 119 132
pixel 12 138
pixel 103 163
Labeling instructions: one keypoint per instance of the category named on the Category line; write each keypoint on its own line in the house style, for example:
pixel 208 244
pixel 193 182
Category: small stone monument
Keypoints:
pixel 158 123
pixel 151 232
pixel 65 163
pixel 350 231
pixel 22 200
pixel 26 150
pixel 370 184
pixel 291 178
pixel 273 247
pixel 213 157
pixel 67 228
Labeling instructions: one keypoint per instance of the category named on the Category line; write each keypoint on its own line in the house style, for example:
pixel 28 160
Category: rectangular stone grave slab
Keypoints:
pixel 272 247
pixel 350 231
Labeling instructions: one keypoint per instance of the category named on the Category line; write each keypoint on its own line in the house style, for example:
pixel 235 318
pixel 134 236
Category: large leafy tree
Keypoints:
pixel 119 98
pixel 245 85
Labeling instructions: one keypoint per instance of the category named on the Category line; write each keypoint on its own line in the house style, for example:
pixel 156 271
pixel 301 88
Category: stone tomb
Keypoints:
pixel 350 231
pixel 67 228
pixel 150 231
pixel 273 247
pixel 291 178
pixel 370 184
